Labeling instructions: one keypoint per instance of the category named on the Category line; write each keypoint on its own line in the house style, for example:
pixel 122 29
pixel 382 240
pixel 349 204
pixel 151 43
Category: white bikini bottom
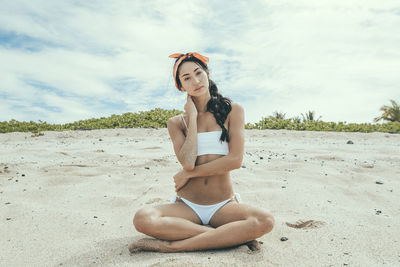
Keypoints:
pixel 205 212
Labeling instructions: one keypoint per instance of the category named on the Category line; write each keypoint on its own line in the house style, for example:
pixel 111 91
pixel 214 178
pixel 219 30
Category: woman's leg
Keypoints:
pixel 174 221
pixel 236 224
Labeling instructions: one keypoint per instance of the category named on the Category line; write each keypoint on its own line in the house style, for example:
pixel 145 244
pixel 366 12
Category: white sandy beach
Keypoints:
pixel 68 198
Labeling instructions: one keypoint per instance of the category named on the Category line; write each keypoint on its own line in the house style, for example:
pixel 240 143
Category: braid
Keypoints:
pixel 220 107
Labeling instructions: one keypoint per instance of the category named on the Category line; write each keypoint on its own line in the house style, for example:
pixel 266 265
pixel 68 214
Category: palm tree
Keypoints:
pixel 310 116
pixel 279 115
pixel 296 119
pixel 389 113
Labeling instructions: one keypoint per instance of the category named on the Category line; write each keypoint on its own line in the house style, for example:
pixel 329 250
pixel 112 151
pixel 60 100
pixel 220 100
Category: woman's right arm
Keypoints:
pixel 185 148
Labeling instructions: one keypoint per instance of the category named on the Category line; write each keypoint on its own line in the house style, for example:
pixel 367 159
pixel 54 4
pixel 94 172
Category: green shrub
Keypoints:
pixel 157 118
pixel 311 125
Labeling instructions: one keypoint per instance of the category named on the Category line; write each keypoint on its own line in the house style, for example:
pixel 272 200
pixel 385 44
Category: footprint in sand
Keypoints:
pixel 306 224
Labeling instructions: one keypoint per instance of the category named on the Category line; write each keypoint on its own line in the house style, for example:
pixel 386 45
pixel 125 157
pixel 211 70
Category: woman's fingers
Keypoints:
pixel 177 187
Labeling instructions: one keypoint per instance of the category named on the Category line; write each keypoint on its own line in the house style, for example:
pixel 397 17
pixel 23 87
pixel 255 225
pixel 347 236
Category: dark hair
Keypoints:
pixel 218 105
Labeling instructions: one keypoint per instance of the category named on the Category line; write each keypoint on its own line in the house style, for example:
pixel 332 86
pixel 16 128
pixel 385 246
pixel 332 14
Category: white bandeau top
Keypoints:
pixel 209 143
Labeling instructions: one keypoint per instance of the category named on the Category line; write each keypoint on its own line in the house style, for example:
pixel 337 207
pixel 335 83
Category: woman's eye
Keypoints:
pixel 187 78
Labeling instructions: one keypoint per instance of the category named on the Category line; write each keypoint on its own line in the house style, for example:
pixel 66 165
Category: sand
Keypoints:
pixel 68 198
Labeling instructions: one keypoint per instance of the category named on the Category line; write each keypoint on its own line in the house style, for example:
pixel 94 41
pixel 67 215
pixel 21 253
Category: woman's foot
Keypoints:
pixel 150 244
pixel 254 245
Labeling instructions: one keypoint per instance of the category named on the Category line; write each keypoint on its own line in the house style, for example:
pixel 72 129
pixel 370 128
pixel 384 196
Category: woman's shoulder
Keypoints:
pixel 236 105
pixel 236 113
pixel 176 121
pixel 237 108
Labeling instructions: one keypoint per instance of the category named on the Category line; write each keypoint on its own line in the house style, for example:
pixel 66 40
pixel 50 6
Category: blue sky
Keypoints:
pixel 63 61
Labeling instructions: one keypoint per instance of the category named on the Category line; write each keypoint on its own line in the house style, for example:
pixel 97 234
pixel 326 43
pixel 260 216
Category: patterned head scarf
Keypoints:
pixel 182 57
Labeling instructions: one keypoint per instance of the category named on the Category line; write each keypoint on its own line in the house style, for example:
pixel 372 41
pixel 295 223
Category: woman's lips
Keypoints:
pixel 199 88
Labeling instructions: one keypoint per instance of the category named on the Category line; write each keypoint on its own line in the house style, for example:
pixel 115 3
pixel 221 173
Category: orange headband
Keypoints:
pixel 182 57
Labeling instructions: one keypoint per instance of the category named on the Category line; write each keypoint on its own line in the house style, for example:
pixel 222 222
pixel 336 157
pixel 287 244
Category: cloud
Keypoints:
pixel 69 60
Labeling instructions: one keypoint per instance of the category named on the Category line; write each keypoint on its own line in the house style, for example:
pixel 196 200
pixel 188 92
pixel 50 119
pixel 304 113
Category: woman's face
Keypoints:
pixel 194 79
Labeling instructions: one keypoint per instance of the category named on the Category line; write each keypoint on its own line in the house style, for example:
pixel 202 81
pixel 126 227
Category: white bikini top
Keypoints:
pixel 209 143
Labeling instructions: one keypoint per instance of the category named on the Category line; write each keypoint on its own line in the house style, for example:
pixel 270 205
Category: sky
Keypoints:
pixel 63 61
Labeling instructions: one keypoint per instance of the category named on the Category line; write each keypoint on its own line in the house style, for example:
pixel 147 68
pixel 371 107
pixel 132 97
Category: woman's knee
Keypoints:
pixel 145 220
pixel 264 223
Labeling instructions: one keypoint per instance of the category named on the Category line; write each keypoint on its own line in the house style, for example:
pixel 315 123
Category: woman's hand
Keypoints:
pixel 180 179
pixel 190 108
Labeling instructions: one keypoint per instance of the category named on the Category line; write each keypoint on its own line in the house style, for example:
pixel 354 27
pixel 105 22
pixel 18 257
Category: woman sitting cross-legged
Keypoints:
pixel 208 140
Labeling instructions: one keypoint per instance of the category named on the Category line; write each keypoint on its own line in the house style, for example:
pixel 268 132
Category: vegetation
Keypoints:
pixel 310 116
pixel 279 115
pixel 157 118
pixel 389 113
pixel 313 125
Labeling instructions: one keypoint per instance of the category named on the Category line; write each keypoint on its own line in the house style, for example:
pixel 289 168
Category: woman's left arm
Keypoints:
pixel 236 147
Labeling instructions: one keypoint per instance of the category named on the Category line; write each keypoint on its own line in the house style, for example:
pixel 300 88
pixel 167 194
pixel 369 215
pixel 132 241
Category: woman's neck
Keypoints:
pixel 201 102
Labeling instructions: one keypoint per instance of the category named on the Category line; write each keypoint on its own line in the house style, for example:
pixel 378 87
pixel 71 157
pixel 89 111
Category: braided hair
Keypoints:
pixel 218 105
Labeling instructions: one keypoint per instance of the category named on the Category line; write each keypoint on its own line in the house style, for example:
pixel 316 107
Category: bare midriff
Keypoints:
pixel 207 190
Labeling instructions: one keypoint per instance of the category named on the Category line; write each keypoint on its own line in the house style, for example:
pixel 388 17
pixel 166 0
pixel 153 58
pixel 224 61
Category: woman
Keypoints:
pixel 208 141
